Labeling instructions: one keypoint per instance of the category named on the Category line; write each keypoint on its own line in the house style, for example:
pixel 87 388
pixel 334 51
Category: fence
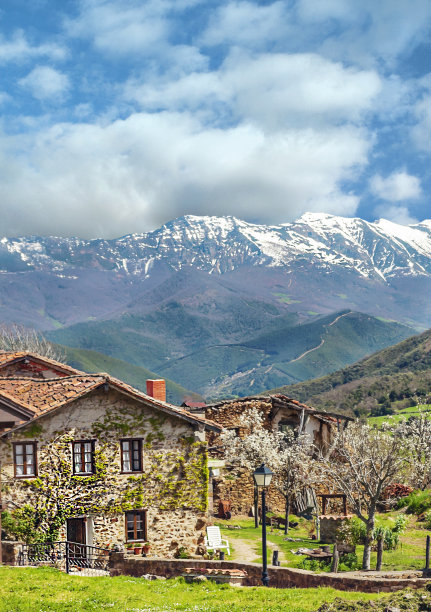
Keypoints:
pixel 70 556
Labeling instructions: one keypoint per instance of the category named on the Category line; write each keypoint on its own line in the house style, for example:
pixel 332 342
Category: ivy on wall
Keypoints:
pixel 175 474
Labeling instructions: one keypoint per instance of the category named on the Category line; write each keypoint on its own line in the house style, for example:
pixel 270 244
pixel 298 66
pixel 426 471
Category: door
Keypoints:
pixel 76 533
pixel 76 530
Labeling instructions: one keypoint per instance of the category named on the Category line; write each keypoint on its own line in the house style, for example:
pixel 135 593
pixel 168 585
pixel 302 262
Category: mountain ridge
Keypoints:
pixel 153 299
pixel 391 374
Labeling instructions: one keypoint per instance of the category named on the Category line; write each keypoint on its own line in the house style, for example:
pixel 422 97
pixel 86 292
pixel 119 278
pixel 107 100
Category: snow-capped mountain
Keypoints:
pixel 225 306
pixel 381 250
pixel 316 265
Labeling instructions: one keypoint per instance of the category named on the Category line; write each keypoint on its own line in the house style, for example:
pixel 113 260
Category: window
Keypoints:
pixel 83 457
pixel 131 455
pixel 286 426
pixel 136 525
pixel 25 459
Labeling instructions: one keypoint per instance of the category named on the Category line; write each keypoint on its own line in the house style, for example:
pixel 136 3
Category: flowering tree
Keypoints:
pixel 286 453
pixel 417 433
pixel 361 463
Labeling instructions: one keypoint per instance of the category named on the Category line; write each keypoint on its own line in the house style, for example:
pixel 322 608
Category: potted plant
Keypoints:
pixel 137 548
pixel 129 546
pixel 146 548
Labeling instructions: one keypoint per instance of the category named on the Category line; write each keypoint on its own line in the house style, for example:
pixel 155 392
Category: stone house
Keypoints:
pixel 91 459
pixel 235 485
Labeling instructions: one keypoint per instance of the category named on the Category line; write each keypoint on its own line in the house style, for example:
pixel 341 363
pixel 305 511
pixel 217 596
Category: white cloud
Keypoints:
pixel 45 83
pixel 133 174
pixel 275 91
pixel 421 132
pixel 396 187
pixel 281 89
pixel 18 49
pixel 246 24
pixel 134 29
pixel 368 31
pixel 397 214
pixel 115 28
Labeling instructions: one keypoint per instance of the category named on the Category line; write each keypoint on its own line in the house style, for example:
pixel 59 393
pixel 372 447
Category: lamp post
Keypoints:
pixel 262 478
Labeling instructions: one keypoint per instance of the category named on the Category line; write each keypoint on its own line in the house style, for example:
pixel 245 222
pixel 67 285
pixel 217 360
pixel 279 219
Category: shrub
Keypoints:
pixel 417 502
pixel 354 532
pixel 348 562
pixel 427 522
pixel 22 524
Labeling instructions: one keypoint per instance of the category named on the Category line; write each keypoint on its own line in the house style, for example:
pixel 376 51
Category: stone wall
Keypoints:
pixel 329 525
pixel 279 577
pixel 172 487
pixel 237 486
pixel 10 552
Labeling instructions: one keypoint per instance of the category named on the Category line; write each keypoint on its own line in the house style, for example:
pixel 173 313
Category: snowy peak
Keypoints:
pixel 382 250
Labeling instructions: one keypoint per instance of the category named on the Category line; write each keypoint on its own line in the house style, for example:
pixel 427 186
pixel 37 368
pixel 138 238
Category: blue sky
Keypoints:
pixel 117 116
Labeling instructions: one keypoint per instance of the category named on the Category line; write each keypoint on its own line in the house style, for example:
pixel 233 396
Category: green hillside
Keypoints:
pixel 93 362
pixel 183 349
pixel 387 381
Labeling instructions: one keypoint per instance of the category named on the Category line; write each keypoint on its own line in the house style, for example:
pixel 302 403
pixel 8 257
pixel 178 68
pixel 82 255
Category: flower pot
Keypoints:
pixel 146 549
pixel 137 550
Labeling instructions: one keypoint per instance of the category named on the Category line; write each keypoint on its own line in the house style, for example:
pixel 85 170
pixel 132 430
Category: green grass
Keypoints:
pixel 402 415
pixel 47 590
pixel 409 555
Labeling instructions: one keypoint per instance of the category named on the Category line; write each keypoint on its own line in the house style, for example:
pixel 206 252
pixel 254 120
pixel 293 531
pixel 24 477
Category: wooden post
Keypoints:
pixel 324 501
pixel 335 559
pixel 286 515
pixel 427 553
pixel 379 554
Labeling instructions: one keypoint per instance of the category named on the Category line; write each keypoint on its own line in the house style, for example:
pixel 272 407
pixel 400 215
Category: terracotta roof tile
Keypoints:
pixel 9 357
pixel 41 396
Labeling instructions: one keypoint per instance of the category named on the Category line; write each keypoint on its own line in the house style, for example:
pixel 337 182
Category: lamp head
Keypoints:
pixel 262 476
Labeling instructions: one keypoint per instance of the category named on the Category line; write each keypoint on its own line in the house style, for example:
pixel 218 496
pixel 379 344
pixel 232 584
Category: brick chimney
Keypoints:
pixel 157 389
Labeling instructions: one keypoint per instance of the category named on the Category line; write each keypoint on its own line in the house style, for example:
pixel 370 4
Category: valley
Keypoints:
pixel 222 306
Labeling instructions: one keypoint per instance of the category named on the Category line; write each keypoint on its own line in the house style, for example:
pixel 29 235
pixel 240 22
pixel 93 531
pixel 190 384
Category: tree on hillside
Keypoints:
pixel 15 338
pixel 286 453
pixel 362 461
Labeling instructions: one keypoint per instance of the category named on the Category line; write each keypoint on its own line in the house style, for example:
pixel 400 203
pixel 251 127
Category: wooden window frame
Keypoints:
pixel 143 514
pixel 131 440
pixel 81 443
pixel 24 444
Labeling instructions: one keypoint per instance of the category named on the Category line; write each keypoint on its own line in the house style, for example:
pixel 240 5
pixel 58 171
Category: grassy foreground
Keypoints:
pixel 48 590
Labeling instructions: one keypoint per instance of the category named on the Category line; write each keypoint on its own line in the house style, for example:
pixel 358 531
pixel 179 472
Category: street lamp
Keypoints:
pixel 262 478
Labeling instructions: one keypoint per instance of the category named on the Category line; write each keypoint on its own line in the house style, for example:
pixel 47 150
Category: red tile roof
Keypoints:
pixel 7 358
pixel 41 396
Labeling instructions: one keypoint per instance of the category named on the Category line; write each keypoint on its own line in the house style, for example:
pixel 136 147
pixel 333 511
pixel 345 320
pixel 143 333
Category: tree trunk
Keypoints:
pixel 368 542
pixel 256 507
pixel 286 515
pixel 379 554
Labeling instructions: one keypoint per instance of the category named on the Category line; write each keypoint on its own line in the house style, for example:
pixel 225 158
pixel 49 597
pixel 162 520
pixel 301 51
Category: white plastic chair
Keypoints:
pixel 214 541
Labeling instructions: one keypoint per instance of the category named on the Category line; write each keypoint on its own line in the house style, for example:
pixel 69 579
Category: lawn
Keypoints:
pixel 402 415
pixel 48 590
pixel 410 553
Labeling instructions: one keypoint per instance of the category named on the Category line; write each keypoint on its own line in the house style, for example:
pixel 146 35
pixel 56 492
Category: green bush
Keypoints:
pixel 315 565
pixel 354 532
pixel 22 524
pixel 417 502
pixel 427 523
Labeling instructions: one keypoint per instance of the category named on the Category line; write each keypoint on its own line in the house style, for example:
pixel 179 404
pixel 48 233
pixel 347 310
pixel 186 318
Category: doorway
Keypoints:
pixel 76 530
